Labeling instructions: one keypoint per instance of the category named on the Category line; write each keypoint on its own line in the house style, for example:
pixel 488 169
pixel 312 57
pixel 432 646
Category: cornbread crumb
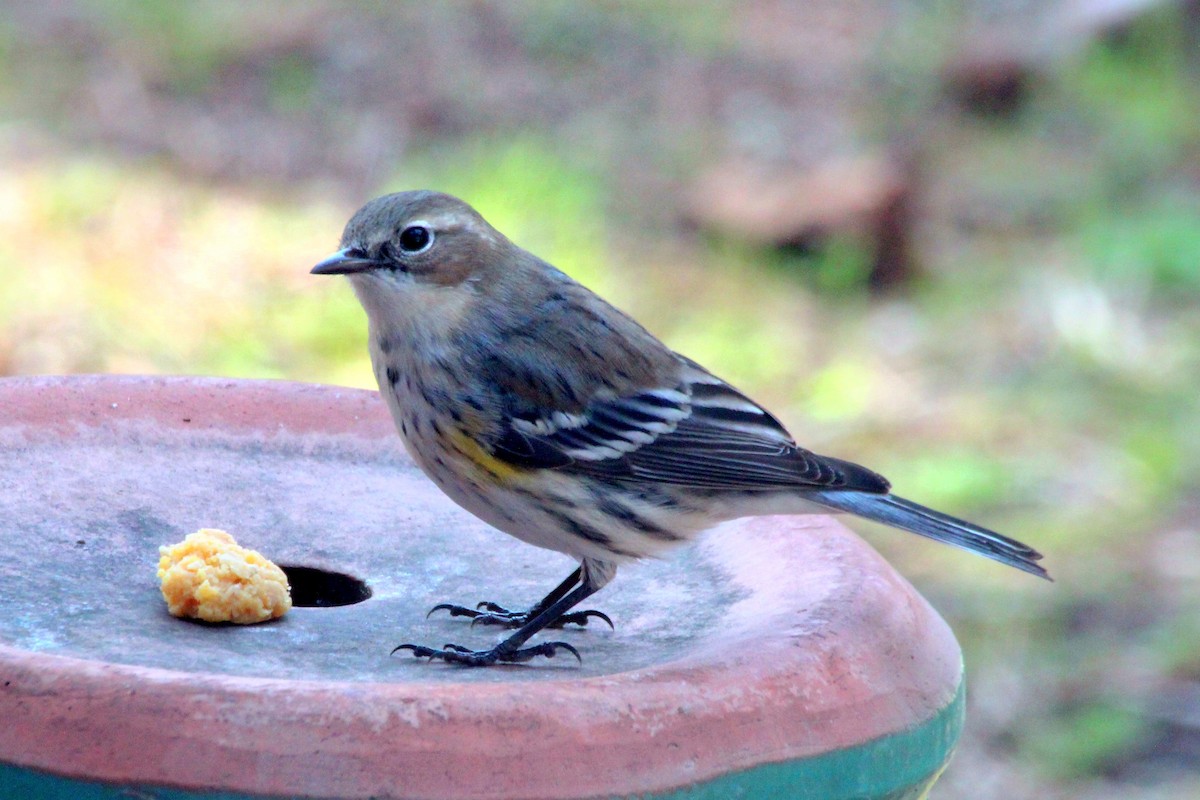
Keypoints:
pixel 208 576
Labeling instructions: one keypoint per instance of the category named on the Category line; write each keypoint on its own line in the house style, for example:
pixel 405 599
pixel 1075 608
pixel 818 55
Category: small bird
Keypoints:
pixel 555 417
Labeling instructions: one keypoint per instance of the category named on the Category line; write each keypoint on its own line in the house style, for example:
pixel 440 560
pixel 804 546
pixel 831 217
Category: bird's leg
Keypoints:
pixel 489 613
pixel 510 651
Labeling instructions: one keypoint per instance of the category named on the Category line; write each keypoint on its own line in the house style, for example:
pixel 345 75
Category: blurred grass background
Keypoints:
pixel 172 170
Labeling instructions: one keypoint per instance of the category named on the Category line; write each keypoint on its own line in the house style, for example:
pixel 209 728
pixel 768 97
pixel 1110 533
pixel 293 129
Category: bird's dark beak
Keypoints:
pixel 345 262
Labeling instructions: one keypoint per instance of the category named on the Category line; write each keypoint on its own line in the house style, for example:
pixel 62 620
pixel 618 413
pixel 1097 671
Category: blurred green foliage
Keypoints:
pixel 1152 244
pixel 1138 89
pixel 512 180
pixel 570 32
pixel 1077 742
pixel 187 42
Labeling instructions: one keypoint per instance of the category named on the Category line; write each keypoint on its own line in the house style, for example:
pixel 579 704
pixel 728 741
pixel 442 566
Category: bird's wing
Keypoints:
pixel 699 433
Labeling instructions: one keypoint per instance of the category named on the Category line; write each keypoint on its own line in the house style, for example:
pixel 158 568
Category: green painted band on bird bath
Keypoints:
pixel 902 766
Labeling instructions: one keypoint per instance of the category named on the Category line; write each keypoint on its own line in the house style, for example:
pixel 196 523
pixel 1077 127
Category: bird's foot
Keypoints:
pixel 456 654
pixel 488 613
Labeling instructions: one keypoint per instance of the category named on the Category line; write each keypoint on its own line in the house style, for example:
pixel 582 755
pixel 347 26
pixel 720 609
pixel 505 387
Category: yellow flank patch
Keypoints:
pixel 473 452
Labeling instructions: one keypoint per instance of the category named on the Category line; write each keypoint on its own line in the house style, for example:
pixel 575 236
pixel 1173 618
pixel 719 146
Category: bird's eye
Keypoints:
pixel 415 238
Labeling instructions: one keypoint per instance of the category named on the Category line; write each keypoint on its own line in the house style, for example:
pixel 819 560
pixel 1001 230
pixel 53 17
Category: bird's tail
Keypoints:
pixel 907 515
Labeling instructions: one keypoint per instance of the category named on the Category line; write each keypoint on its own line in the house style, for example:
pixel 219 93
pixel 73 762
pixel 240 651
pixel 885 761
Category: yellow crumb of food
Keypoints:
pixel 209 576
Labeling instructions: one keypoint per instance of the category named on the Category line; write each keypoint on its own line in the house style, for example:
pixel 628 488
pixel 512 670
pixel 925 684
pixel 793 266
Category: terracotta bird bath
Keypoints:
pixel 779 657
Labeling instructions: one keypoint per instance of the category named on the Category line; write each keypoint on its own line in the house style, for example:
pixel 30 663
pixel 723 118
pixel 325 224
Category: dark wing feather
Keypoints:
pixel 701 433
pixel 530 452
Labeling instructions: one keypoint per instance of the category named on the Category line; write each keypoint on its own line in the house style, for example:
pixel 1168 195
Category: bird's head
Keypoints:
pixel 417 249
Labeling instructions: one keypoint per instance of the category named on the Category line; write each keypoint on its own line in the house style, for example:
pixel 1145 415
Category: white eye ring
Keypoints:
pixel 417 237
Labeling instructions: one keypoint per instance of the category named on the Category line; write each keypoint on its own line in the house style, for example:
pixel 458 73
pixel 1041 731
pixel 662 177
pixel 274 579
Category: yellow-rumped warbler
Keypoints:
pixel 551 415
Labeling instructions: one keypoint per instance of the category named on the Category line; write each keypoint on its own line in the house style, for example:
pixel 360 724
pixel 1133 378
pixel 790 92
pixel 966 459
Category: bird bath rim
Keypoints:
pixel 848 655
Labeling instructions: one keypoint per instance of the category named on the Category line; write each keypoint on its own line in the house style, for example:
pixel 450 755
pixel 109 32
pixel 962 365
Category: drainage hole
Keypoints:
pixel 320 588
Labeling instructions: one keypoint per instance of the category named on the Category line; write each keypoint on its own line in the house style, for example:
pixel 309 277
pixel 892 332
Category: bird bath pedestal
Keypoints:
pixel 777 657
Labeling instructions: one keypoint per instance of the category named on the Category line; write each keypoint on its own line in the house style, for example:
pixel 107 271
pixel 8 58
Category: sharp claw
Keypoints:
pixel 580 618
pixel 494 608
pixel 419 651
pixel 603 616
pixel 552 647
pixel 440 607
